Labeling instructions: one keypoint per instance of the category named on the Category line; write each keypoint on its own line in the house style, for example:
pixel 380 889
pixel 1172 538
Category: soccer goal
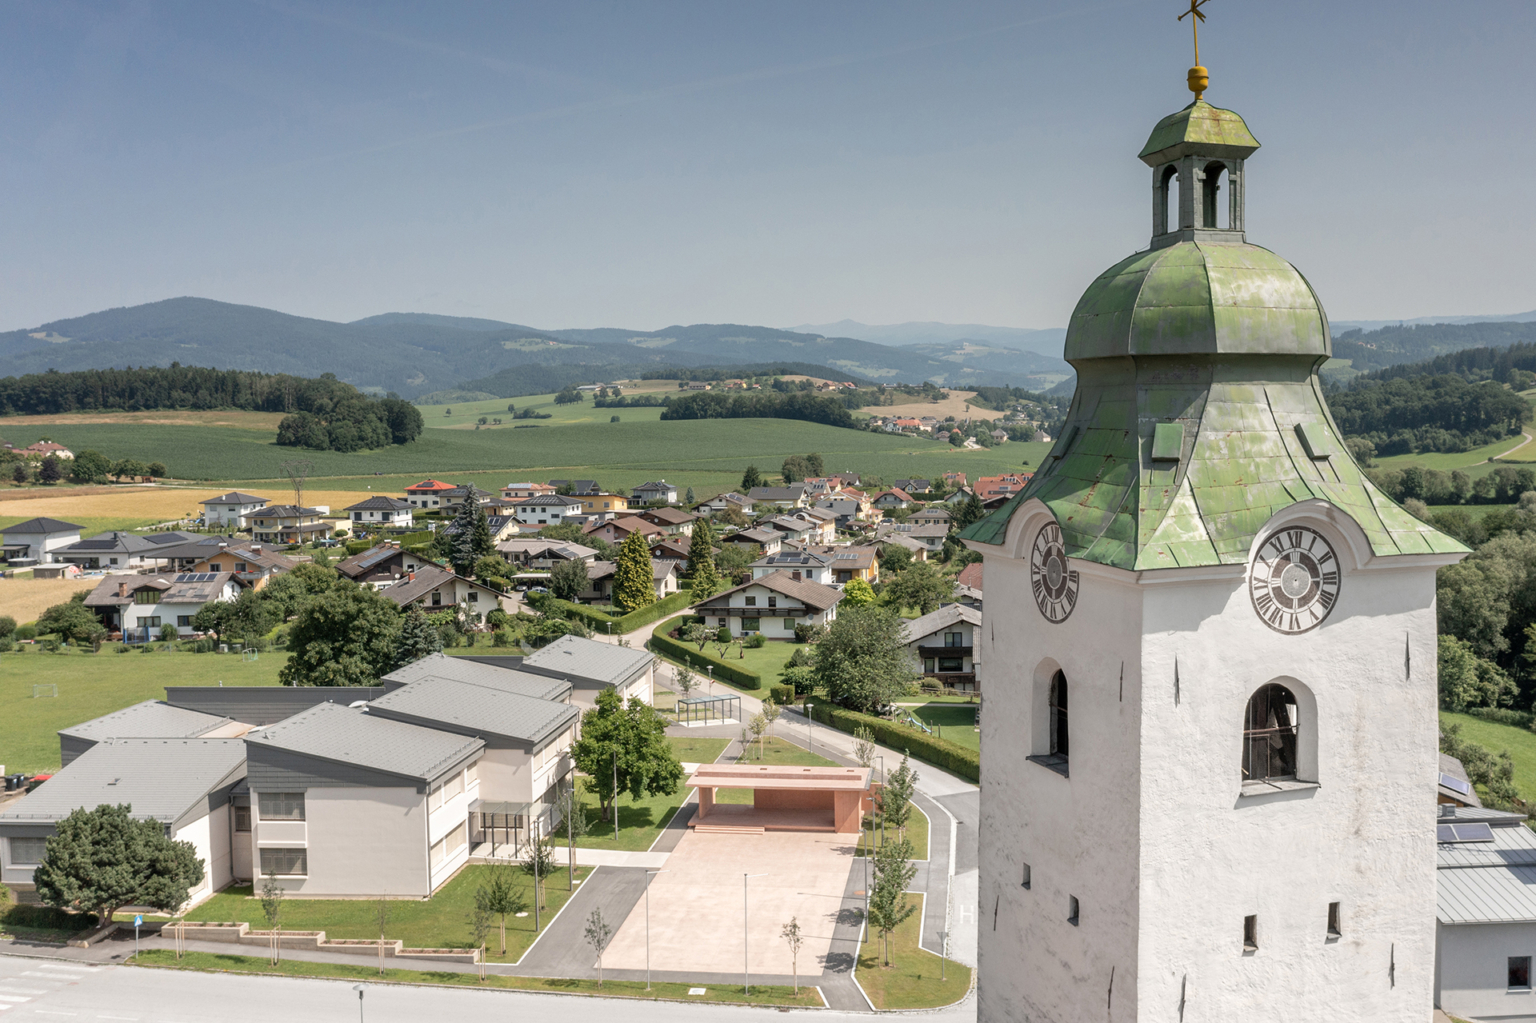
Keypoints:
pixel 45 689
pixel 248 654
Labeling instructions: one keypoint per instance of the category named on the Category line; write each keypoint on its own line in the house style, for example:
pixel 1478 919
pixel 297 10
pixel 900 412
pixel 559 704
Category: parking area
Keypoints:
pixel 697 907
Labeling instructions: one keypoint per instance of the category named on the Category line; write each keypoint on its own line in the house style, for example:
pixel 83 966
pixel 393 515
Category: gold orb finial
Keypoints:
pixel 1199 80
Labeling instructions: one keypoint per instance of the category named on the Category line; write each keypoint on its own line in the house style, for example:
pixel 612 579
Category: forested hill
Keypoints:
pixel 1396 346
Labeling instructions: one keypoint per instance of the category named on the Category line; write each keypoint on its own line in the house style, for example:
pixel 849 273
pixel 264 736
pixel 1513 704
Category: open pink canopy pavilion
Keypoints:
pixel 784 798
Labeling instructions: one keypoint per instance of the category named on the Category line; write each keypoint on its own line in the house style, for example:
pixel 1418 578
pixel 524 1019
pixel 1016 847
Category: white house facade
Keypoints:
pixel 228 509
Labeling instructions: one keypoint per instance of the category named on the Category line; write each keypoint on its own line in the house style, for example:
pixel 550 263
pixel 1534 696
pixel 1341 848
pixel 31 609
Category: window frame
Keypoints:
pixel 242 817
pixel 1272 729
pixel 300 861
pixel 1518 967
pixel 22 861
pixel 262 804
pixel 1058 706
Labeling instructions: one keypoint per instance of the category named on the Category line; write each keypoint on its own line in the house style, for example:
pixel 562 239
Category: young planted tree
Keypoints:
pixel 895 801
pixel 722 641
pixel 696 633
pixel 888 905
pixel 864 746
pixel 381 917
pixel 272 908
pixel 700 567
pixel 598 933
pixel 634 581
pixel 685 680
pixel 538 865
pixel 98 861
pixel 479 929
pixel 630 741
pixel 770 715
pixel 418 638
pixel 757 725
pixel 501 895
pixel 794 939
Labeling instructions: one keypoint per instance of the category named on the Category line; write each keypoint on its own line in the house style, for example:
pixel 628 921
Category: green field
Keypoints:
pixel 708 455
pixel 641 820
pixel 464 414
pixel 1520 742
pixel 1474 463
pixel 955 721
pixel 91 685
pixel 912 980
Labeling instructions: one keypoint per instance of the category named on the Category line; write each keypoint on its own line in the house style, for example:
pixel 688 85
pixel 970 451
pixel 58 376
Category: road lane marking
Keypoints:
pixel 15 998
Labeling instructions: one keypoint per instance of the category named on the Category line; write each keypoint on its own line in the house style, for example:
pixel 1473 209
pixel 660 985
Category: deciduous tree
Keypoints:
pixel 863 662
pixel 631 739
pixel 921 586
pixel 888 905
pixel 568 579
pixel 343 637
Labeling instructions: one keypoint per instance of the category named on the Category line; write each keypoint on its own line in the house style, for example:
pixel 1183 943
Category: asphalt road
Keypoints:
pixel 43 990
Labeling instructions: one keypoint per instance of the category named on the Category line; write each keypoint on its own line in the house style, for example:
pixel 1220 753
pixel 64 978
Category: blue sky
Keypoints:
pixel 642 164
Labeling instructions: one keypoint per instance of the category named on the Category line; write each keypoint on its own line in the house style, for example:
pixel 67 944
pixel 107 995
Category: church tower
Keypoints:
pixel 1210 720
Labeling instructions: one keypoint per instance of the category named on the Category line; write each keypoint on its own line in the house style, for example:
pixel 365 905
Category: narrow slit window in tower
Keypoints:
pixel 1025 883
pixel 1333 920
pixel 1059 731
pixel 1072 910
pixel 1251 933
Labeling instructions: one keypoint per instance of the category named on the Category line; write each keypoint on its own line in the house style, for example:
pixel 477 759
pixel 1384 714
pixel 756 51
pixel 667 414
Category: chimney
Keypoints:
pixel 122 589
pixel 413 577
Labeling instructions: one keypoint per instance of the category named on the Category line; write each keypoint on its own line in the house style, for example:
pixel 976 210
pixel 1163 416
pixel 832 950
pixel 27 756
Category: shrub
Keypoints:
pixel 5 644
pixel 782 695
pixel 357 546
pixel 1504 716
pixel 756 640
pixel 806 633
pixel 501 637
pixel 168 633
pixel 939 752
pixel 25 632
pixel 7 625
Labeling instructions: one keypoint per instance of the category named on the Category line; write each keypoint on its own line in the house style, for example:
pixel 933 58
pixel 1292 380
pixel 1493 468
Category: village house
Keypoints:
pixel 798 562
pixel 771 606
pixel 501 527
pixel 616 530
pixel 140 606
pixel 1000 436
pixel 537 552
pixel 656 490
pixel 252 564
pixel 33 542
pixel 892 500
pixel 453 498
pixel 601 574
pixel 286 523
pixel 731 499
pixel 578 487
pixel 673 521
pixel 547 510
pixel 119 550
pixel 931 537
pixel 955 480
pixel 850 563
pixel 603 506
pixel 919 550
pixel 428 494
pixel 792 530
pixel 768 539
pixel 913 486
pixel 380 566
pixel 934 516
pixel 43 448
pixel 674 548
pixel 844 508
pixel 784 498
pixel 989 487
pixel 523 491
pixel 944 643
pixel 433 588
pixel 380 512
pixel 968 585
pixel 229 509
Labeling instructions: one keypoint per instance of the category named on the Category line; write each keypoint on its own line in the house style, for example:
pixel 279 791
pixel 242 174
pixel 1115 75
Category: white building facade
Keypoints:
pixel 1211 651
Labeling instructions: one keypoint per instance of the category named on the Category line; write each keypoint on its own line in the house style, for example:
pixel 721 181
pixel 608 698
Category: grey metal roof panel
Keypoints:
pixel 161 779
pixel 236 497
pixel 1486 895
pixel 460 669
pixel 471 709
pixel 151 719
pixel 944 617
pixel 264 705
pixel 42 524
pixel 572 657
pixel 1448 814
pixel 345 735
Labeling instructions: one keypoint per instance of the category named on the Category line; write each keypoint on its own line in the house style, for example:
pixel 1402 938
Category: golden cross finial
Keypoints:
pixel 1199 79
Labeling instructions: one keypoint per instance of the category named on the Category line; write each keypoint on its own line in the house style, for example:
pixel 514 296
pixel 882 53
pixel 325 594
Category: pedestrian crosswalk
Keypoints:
pixel 21 987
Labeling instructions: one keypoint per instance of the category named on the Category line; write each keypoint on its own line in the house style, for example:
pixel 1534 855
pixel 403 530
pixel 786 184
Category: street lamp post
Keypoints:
pixel 881 757
pixel 533 851
pixel 746 970
pixel 359 989
pixel 615 796
pixel 648 875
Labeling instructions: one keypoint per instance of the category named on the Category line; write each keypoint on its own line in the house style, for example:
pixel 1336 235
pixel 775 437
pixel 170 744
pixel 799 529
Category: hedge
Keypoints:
pixel 939 752
pixel 724 671
pixel 782 695
pixel 1503 715
pixel 600 619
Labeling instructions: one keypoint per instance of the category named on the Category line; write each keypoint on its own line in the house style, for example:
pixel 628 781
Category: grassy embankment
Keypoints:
pixel 660 991
pixel 1520 742
pixel 912 980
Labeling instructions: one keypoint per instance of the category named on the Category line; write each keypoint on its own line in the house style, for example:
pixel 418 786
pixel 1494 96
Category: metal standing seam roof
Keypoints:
pixel 43 524
pixel 152 719
pixel 1483 882
pixel 344 735
pixel 573 657
pixel 460 669
pixel 944 617
pixel 480 709
pixel 161 779
pixel 1201 125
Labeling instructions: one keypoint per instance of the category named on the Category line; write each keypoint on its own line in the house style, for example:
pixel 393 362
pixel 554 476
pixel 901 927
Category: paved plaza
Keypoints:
pixel 696 906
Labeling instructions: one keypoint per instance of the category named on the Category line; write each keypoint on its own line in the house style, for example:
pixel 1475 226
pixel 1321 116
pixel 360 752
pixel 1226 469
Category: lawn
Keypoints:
pixel 220 963
pixel 641 820
pixel 912 980
pixel 439 922
pixel 1520 742
pixel 1448 461
pixel 91 685
pixel 767 660
pixel 917 833
pixel 40 923
pixel 772 750
pixel 953 721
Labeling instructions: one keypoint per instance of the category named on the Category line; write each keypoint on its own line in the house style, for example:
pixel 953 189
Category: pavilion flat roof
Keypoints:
pixel 780 776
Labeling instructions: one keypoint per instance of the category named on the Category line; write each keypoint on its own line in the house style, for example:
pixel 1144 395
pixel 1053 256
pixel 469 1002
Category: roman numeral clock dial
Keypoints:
pixel 1295 580
pixel 1054 584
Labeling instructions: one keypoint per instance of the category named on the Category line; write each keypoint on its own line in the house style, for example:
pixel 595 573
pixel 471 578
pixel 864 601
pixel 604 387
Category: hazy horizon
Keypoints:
pixel 642 166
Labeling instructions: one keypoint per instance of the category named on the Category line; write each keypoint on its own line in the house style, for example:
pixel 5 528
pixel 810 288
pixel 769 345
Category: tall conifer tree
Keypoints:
pixel 701 560
pixel 633 579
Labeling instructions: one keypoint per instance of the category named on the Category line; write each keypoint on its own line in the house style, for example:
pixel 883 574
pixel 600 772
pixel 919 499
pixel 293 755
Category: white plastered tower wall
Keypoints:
pixel 1151 830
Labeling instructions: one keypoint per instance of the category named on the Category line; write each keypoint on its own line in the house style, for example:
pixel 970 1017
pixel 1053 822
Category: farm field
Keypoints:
pixel 1475 462
pixel 954 405
pixel 708 455
pixel 91 685
pixel 163 417
pixel 464 414
pixel 25 599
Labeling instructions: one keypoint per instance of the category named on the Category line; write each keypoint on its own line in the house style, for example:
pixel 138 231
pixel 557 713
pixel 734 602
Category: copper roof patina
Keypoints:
pixel 1224 341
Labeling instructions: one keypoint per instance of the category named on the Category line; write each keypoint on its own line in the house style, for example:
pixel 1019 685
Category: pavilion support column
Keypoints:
pixel 706 802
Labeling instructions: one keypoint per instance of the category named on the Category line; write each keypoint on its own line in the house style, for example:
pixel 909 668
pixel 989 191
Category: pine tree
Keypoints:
pixel 483 541
pixel 462 552
pixel 633 578
pixel 418 638
pixel 701 560
pixel 689 501
pixel 752 478
pixel 970 511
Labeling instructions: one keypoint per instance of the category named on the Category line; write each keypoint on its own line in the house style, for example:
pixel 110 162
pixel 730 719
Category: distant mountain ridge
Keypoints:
pixel 1045 341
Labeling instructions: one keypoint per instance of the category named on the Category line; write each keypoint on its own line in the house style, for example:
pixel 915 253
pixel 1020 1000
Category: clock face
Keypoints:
pixel 1295 580
pixel 1054 583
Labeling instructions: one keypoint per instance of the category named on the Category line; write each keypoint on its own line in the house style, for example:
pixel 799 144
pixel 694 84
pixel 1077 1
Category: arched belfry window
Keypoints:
pixel 1211 194
pixel 1270 734
pixel 1058 711
pixel 1165 193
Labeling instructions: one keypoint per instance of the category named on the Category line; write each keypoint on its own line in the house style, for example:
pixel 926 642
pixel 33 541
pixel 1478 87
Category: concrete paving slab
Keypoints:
pixel 696 907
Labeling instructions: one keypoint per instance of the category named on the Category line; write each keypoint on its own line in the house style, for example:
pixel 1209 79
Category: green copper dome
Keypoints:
pixel 1198 413
pixel 1198 297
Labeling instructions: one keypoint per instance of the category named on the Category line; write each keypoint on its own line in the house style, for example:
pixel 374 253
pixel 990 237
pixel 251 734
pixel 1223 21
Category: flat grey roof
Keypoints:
pixel 1487 882
pixel 459 669
pixel 575 658
pixel 151 719
pixel 343 735
pixel 161 779
pixel 470 709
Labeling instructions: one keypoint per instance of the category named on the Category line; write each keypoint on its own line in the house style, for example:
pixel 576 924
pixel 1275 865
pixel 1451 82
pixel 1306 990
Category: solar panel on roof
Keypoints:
pixel 1473 832
pixel 1456 784
pixel 1445 833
